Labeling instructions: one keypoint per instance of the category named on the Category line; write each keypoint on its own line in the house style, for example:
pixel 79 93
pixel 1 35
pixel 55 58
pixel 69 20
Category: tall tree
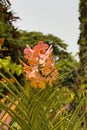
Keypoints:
pixel 83 40
pixel 7 30
pixel 83 51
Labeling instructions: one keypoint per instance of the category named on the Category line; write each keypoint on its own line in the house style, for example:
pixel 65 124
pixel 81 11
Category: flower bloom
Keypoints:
pixel 39 68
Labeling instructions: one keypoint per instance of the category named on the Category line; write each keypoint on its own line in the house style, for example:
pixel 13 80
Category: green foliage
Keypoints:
pixel 83 40
pixel 41 109
pixel 8 31
pixel 68 75
pixel 14 68
pixel 9 65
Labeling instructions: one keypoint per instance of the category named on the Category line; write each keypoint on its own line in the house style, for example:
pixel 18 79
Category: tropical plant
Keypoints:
pixel 40 109
pixel 32 107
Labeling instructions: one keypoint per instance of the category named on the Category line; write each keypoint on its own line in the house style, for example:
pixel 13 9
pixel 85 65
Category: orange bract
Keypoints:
pixel 40 69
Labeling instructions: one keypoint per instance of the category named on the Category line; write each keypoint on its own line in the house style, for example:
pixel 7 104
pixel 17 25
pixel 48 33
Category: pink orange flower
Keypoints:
pixel 40 69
